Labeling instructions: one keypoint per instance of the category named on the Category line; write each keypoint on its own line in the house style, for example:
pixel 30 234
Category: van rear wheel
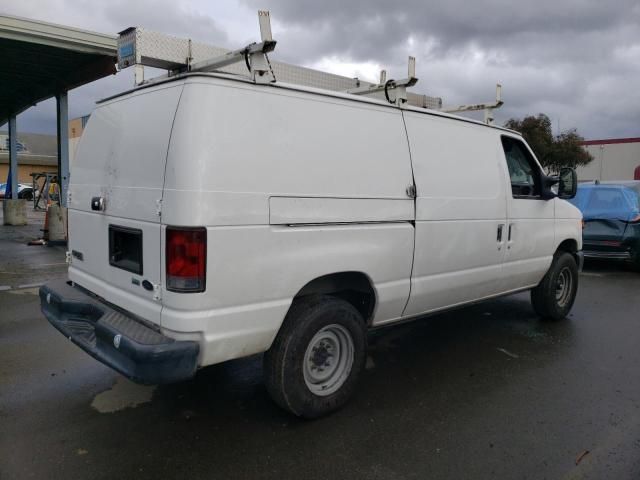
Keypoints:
pixel 314 363
pixel 553 298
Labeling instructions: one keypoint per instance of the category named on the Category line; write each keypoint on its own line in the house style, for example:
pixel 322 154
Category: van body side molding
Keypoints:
pixel 319 210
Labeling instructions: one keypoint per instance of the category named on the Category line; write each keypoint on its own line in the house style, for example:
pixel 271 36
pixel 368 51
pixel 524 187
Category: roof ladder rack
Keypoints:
pixel 395 91
pixel 254 55
pixel 487 107
pixel 139 47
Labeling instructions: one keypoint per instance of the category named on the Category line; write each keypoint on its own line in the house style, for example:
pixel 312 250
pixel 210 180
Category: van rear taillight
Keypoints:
pixel 186 259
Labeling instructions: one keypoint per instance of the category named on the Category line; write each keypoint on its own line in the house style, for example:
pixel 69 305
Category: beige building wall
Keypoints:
pixel 36 153
pixel 76 127
pixel 613 159
pixel 73 146
pixel 24 171
pixel 40 152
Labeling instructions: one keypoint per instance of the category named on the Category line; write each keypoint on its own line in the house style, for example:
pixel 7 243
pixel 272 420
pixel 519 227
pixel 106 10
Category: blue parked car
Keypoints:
pixel 611 212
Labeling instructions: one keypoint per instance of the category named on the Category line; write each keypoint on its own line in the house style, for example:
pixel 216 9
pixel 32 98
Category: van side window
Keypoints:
pixel 523 170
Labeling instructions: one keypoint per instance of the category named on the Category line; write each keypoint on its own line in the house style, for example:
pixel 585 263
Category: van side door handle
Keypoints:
pixel 500 228
pixel 509 234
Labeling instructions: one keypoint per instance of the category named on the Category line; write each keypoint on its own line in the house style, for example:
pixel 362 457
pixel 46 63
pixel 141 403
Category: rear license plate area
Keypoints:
pixel 125 248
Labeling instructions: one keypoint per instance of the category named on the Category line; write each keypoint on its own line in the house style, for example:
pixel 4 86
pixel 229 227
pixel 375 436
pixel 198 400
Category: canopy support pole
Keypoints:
pixel 62 107
pixel 13 158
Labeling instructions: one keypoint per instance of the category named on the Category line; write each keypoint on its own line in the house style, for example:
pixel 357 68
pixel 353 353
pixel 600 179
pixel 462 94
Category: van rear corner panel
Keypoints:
pixel 123 152
pixel 115 190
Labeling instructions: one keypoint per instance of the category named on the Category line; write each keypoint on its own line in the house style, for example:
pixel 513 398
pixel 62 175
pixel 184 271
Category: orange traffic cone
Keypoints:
pixel 45 230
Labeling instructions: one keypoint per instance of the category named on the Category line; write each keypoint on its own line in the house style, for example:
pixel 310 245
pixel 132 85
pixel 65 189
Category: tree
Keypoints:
pixel 563 150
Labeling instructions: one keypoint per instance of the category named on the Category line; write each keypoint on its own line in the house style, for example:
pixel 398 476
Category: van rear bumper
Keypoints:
pixel 117 339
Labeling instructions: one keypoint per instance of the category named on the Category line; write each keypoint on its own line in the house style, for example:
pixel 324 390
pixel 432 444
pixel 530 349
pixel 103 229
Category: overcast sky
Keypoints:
pixel 578 61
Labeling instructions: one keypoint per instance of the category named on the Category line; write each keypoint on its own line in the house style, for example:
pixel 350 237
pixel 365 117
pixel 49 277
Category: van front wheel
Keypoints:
pixel 314 363
pixel 553 298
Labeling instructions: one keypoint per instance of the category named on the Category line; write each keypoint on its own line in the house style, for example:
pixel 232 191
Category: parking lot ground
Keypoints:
pixel 23 265
pixel 487 391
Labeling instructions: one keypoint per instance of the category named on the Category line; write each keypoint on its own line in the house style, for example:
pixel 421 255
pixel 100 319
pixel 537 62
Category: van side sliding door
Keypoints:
pixel 460 212
pixel 530 222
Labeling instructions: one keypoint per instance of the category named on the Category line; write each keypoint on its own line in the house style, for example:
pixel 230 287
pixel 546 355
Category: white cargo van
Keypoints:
pixel 212 218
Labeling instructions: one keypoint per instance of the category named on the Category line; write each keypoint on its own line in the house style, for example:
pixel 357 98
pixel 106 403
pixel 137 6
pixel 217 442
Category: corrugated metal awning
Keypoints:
pixel 42 60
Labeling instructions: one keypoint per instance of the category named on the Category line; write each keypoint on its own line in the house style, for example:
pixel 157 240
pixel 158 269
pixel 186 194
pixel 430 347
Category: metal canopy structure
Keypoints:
pixel 43 60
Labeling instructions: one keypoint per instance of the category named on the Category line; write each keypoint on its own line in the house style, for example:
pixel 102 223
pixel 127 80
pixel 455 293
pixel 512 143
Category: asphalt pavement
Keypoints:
pixel 488 391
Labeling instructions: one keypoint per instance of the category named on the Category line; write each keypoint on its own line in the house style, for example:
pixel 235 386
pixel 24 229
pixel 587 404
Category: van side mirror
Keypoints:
pixel 568 183
pixel 549 188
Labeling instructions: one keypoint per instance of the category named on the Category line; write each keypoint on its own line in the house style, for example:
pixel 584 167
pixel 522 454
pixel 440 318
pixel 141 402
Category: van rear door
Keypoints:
pixel 116 187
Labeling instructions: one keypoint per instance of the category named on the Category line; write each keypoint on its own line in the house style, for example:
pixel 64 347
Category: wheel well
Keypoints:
pixel 569 245
pixel 353 287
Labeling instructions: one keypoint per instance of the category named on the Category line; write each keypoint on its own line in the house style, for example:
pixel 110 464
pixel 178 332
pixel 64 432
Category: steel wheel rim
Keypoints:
pixel 328 360
pixel 564 286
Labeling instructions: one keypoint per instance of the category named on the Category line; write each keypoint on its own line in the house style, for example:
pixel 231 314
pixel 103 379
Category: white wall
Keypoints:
pixel 611 161
pixel 73 145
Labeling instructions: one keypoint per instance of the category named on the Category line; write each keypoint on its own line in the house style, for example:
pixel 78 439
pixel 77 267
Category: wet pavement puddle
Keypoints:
pixel 123 394
pixel 24 291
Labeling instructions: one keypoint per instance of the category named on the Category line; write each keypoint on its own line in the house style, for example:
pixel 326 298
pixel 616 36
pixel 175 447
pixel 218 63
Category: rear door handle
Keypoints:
pixel 97 204
pixel 509 234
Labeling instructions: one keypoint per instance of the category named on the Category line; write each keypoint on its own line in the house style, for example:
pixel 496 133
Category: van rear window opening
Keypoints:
pixel 186 258
pixel 125 248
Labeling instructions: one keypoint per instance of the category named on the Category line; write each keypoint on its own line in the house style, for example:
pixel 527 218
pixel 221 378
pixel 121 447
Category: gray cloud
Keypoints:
pixel 576 60
pixel 166 16
pixel 169 16
pixel 362 28
pixel 109 17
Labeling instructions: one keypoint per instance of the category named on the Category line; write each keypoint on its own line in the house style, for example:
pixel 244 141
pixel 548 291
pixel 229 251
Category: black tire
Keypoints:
pixel 551 299
pixel 285 363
